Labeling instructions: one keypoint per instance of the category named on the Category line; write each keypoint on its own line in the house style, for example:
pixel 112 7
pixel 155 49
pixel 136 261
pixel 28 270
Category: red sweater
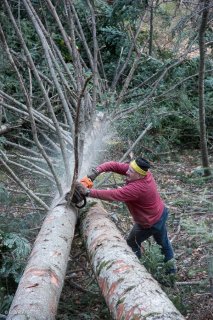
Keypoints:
pixel 140 196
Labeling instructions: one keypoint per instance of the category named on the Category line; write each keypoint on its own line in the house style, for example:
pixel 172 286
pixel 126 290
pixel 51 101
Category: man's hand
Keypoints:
pixel 93 174
pixel 81 189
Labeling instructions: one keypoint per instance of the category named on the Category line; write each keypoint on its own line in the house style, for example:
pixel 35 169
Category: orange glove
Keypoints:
pixel 87 182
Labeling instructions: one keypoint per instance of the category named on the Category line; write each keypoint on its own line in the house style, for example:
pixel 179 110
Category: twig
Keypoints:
pixel 203 294
pixel 5 128
pixel 38 194
pixel 39 117
pixel 28 208
pixel 22 185
pixel 176 233
pixel 120 70
pixel 39 170
pixel 22 148
pixel 50 59
pixel 75 285
pixel 188 283
pixel 71 275
pixel 178 227
pixel 45 94
pixel 26 95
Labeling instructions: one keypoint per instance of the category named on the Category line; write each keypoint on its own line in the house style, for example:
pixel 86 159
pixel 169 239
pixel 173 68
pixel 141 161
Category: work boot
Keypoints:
pixel 168 281
pixel 170 267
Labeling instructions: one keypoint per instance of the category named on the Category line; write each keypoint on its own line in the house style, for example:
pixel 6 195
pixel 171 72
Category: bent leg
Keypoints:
pixel 136 237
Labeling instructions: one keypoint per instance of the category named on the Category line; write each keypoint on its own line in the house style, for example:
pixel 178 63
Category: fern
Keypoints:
pixel 5 301
pixel 19 246
pixel 113 34
pixel 14 250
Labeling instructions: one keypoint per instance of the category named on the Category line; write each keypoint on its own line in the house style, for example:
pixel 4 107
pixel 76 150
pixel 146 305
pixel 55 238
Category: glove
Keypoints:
pixel 93 174
pixel 82 189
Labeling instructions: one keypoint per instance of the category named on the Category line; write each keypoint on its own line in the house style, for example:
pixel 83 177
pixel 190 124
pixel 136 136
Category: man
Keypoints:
pixel 143 201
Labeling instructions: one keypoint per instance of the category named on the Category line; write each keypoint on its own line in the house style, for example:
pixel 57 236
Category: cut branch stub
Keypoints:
pixel 40 287
pixel 129 290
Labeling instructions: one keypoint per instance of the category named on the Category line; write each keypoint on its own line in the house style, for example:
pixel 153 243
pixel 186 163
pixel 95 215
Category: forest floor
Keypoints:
pixel 189 198
pixel 190 225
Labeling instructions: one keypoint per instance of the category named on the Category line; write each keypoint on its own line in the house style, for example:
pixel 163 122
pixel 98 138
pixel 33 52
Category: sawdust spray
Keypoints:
pixel 95 147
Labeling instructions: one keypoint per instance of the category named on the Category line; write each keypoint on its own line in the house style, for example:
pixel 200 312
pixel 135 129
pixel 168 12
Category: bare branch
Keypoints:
pixel 49 105
pixel 121 70
pixel 76 141
pixel 20 183
pixel 5 128
pixel 95 56
pixel 50 60
pixel 31 117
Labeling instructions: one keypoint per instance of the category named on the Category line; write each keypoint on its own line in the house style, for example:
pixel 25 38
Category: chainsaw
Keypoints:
pixel 78 198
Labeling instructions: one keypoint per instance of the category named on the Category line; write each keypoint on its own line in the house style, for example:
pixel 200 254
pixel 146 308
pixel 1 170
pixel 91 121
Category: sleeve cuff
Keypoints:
pixel 87 193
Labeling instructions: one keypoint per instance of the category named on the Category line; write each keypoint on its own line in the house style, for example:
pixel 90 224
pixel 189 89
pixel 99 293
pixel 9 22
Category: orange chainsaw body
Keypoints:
pixel 87 182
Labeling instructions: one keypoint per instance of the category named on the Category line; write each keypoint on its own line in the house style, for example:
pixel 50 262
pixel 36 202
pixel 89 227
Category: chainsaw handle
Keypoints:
pixel 82 205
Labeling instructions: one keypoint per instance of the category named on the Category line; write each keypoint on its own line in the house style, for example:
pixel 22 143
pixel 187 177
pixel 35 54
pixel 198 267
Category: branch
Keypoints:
pixel 71 45
pixel 75 285
pixel 37 194
pixel 155 85
pixel 128 79
pixel 76 167
pixel 170 89
pixel 30 193
pixel 5 128
pixel 28 102
pixel 121 71
pixel 48 103
pixel 39 170
pixel 95 56
pixel 51 61
pixel 39 117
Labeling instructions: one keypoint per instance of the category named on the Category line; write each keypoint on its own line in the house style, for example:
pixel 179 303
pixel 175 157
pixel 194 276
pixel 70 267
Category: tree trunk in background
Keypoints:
pixel 202 120
pixel 40 287
pixel 129 290
pixel 151 28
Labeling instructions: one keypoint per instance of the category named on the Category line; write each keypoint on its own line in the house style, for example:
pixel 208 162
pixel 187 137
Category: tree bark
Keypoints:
pixel 129 290
pixel 151 27
pixel 40 287
pixel 202 120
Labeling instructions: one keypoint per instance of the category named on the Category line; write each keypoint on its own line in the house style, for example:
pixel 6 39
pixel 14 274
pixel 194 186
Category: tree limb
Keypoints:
pixel 21 184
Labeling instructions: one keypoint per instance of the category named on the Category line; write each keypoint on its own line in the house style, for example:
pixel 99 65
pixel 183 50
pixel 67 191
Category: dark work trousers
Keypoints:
pixel 138 234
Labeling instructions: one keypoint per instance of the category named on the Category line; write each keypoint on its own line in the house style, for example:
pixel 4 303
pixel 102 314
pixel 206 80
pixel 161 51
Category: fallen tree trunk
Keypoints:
pixel 129 290
pixel 40 287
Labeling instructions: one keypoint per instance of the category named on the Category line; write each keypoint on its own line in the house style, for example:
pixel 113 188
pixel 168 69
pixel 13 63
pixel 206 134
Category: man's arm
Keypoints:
pixel 126 193
pixel 112 166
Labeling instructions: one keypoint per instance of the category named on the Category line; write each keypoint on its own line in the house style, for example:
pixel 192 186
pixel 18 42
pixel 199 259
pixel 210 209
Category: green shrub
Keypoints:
pixel 14 251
